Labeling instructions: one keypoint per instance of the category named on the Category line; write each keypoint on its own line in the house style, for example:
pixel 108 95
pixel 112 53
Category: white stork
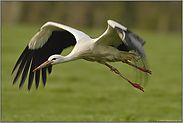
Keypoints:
pixel 113 45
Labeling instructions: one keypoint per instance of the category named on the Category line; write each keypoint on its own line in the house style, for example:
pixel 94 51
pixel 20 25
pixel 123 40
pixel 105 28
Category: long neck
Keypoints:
pixel 78 50
pixel 68 58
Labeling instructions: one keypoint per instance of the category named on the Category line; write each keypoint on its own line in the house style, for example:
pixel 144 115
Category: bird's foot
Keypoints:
pixel 137 86
pixel 117 72
pixel 134 84
pixel 140 68
pixel 145 70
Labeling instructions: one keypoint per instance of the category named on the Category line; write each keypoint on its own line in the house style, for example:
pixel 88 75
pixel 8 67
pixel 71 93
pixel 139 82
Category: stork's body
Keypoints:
pixel 113 45
pixel 103 54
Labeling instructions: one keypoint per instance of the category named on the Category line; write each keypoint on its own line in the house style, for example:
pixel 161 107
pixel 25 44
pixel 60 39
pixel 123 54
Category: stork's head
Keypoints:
pixel 52 60
pixel 55 59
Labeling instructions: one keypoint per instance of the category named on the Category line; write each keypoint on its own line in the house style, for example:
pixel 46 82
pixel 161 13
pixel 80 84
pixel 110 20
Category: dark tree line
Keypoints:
pixel 162 16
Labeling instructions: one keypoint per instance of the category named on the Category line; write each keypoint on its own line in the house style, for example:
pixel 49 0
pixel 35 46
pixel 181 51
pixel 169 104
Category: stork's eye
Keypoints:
pixel 53 59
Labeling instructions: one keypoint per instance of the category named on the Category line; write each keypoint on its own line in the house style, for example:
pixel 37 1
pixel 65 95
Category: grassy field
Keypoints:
pixel 88 91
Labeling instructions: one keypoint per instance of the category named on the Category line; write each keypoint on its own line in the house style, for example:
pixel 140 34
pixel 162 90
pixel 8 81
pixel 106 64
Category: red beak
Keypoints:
pixel 45 64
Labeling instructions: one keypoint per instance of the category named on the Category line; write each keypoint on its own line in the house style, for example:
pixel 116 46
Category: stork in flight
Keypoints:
pixel 46 45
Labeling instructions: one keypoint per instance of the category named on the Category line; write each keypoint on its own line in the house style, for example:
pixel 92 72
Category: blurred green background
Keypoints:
pixel 88 91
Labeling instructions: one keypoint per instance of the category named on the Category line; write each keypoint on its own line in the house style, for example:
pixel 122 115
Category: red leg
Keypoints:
pixel 117 72
pixel 140 68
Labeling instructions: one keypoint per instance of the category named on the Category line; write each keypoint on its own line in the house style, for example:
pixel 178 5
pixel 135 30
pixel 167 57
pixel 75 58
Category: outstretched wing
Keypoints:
pixel 123 39
pixel 51 39
pixel 120 37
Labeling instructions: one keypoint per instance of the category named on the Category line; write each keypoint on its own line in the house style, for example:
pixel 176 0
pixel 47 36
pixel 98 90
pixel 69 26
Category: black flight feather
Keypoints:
pixel 132 42
pixel 57 42
pixel 19 60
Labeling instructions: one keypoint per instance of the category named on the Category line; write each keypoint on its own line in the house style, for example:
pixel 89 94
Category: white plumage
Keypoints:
pixel 113 45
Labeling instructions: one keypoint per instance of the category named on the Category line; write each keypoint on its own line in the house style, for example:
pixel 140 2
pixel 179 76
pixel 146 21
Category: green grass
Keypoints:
pixel 88 91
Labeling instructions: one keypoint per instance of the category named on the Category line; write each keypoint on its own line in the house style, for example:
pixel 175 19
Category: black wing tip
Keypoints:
pixel 13 84
pixel 130 32
pixel 20 59
pixel 29 88
pixel 131 41
pixel 37 85
pixel 142 41
pixel 28 91
pixel 20 86
pixel 12 72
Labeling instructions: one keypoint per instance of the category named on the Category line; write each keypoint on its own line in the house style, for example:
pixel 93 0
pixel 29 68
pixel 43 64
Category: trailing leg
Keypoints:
pixel 140 68
pixel 117 72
